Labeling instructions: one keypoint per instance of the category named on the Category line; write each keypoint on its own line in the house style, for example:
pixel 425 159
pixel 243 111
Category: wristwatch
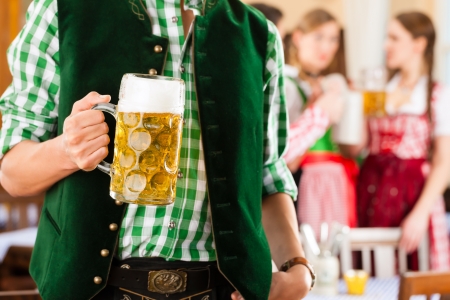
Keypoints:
pixel 300 261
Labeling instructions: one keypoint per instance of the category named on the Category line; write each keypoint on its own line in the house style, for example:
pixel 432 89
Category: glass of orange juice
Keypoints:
pixel 356 281
pixel 374 94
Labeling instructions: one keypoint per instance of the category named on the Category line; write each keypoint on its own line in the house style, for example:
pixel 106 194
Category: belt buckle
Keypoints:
pixel 167 281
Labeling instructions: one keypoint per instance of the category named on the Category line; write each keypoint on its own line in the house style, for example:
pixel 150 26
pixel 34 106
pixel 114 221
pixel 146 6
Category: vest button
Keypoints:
pixel 119 203
pixel 104 252
pixel 152 72
pixel 113 226
pixel 97 280
pixel 172 224
pixel 158 49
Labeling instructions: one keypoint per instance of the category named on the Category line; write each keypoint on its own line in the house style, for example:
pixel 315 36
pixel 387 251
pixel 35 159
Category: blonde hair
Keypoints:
pixel 314 19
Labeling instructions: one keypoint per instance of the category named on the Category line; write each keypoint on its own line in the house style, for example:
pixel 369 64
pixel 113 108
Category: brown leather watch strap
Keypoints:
pixel 300 261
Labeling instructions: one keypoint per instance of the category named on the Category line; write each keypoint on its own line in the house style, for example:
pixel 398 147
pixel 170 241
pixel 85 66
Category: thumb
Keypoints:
pixel 88 101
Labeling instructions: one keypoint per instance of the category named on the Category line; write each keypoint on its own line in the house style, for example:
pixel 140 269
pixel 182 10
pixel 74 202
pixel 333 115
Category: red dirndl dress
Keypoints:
pixel 392 177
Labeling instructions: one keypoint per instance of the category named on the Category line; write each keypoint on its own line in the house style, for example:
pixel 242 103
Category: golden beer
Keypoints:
pixel 146 153
pixel 374 103
pixel 149 116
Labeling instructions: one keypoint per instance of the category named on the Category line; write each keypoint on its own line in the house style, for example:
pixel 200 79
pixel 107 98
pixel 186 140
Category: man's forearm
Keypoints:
pixel 30 168
pixel 281 228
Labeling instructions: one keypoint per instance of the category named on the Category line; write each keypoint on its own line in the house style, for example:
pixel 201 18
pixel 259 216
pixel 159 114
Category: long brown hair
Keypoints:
pixel 308 23
pixel 420 25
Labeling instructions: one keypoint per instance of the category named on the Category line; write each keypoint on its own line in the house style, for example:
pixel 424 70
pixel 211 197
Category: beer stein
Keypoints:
pixel 374 94
pixel 348 130
pixel 147 143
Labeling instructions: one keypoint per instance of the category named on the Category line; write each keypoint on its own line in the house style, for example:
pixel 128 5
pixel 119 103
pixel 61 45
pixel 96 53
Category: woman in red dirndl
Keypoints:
pixel 398 186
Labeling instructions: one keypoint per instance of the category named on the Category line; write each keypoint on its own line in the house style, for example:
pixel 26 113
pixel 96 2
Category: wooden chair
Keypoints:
pixel 19 210
pixel 15 281
pixel 383 242
pixel 424 283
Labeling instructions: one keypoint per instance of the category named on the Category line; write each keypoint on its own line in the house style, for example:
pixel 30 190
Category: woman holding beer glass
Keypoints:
pixel 326 188
pixel 397 185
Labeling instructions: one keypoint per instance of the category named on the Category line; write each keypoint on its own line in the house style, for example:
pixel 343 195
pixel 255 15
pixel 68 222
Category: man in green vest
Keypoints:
pixel 233 209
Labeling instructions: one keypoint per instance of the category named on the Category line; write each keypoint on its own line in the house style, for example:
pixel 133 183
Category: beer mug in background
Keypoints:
pixel 374 94
pixel 147 143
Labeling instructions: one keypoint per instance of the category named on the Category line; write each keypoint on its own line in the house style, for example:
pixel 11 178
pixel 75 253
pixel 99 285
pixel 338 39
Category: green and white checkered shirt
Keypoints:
pixel 182 231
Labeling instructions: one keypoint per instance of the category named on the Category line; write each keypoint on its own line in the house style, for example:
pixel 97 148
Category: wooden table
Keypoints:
pixel 15 255
pixel 23 237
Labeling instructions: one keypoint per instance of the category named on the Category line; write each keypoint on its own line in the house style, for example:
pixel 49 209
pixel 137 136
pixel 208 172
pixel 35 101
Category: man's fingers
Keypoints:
pixel 236 296
pixel 85 119
pixel 95 144
pixel 94 131
pixel 88 101
pixel 88 156
pixel 94 153
pixel 94 159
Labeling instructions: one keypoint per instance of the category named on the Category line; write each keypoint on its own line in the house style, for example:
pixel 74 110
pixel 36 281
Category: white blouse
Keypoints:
pixel 417 104
pixel 294 100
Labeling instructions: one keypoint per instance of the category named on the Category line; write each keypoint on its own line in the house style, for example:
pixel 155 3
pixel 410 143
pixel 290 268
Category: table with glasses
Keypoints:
pixel 23 237
pixel 376 289
pixel 15 254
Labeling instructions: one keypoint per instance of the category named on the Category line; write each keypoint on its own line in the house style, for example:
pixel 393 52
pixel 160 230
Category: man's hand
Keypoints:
pixel 291 285
pixel 281 228
pixel 85 134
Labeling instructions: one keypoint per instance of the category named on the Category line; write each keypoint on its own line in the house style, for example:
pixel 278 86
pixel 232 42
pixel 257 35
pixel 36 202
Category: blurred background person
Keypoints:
pixel 326 186
pixel 397 186
pixel 272 14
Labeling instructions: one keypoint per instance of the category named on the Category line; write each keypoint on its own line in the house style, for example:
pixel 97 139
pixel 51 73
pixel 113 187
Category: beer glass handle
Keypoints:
pixel 111 109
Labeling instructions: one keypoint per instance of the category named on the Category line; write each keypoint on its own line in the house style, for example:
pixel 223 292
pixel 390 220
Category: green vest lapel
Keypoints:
pixel 230 45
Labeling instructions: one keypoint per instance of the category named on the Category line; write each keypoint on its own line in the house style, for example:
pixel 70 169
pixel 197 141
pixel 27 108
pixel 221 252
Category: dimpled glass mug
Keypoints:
pixel 147 143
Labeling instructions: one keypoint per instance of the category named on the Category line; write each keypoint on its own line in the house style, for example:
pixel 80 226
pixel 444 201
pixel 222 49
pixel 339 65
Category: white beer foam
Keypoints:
pixel 151 94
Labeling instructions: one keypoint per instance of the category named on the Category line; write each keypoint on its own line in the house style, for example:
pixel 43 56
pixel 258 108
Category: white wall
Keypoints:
pixel 293 10
pixel 365 31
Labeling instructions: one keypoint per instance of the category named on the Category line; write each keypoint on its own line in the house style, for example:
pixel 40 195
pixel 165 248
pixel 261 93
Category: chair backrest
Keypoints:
pixel 19 213
pixel 14 281
pixel 424 283
pixel 383 242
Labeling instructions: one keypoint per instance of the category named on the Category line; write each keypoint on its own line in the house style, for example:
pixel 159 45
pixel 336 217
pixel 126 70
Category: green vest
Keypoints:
pixel 100 41
pixel 325 143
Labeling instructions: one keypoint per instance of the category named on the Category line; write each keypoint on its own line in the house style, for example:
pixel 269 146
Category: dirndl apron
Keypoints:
pixel 327 183
pixel 392 178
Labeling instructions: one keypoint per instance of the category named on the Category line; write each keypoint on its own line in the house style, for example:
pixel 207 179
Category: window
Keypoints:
pixel 442 52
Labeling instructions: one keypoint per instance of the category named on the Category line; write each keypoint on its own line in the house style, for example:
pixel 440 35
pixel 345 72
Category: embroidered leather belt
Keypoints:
pixel 167 281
